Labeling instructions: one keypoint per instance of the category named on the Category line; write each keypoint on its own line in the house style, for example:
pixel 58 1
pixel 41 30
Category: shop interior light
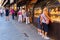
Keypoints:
pixel 59 1
pixel 0 2
pixel 0 5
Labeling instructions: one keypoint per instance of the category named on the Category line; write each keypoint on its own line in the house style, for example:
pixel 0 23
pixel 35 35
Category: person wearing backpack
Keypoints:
pixel 39 29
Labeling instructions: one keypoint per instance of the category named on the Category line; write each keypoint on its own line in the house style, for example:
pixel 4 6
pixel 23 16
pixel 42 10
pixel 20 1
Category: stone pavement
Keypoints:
pixel 12 30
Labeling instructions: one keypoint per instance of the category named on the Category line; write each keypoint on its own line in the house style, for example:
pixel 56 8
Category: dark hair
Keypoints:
pixel 23 8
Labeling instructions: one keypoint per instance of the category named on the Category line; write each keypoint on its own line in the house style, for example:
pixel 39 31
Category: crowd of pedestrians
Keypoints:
pixel 23 16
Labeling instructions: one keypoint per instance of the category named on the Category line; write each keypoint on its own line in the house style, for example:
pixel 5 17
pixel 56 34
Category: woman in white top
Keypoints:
pixel 23 14
pixel 45 21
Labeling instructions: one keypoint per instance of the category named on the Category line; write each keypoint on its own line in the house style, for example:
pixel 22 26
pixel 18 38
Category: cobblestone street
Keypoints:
pixel 12 30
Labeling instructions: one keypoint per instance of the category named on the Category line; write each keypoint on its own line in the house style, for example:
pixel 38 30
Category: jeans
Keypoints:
pixel 13 16
pixel 45 27
pixel 39 26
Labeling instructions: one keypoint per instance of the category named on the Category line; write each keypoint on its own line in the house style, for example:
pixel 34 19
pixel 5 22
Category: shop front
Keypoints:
pixel 54 27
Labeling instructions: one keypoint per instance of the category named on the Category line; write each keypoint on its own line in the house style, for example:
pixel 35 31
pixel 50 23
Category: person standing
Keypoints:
pixel 23 14
pixel 39 29
pixel 20 15
pixel 12 12
pixel 27 16
pixel 45 21
pixel 7 13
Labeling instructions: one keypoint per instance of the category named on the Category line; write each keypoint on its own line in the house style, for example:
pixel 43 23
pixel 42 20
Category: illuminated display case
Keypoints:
pixel 36 12
pixel 54 27
pixel 55 16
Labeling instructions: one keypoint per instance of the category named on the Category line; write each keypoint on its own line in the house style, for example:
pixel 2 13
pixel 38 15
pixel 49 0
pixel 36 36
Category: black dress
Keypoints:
pixel 7 12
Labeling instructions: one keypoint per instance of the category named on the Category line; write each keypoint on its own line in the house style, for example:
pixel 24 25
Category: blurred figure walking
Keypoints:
pixel 27 16
pixel 39 29
pixel 7 13
pixel 23 14
pixel 45 21
pixel 12 11
pixel 20 15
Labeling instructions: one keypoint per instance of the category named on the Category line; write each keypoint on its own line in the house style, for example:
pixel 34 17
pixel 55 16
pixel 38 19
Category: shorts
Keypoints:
pixel 39 26
pixel 7 14
pixel 45 27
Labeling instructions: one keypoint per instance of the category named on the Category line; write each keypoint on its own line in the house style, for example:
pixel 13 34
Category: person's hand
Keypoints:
pixel 40 23
pixel 52 21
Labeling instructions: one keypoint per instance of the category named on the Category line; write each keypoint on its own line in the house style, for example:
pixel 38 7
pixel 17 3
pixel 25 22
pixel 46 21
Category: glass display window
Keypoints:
pixel 55 15
pixel 37 12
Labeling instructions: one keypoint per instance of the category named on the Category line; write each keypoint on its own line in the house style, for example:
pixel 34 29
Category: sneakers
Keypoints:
pixel 39 33
pixel 46 37
pixel 42 36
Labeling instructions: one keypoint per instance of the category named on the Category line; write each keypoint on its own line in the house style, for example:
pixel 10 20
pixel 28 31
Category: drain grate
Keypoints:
pixel 25 34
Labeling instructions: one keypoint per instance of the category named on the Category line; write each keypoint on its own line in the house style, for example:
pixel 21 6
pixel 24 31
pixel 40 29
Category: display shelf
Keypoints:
pixel 55 16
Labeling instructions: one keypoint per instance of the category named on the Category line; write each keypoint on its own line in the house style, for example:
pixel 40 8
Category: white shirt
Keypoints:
pixel 44 18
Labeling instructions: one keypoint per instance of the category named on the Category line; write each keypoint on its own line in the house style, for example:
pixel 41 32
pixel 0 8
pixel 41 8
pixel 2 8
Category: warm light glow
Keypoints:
pixel 15 6
pixel 1 1
pixel 33 1
pixel 59 0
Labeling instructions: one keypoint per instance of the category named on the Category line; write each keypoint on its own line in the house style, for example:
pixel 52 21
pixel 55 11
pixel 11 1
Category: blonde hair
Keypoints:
pixel 45 10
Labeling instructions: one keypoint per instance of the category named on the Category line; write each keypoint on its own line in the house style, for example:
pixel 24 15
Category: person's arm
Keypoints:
pixel 41 19
pixel 46 14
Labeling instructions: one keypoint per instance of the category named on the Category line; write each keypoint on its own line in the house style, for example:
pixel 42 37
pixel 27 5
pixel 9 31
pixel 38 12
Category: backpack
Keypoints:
pixel 38 19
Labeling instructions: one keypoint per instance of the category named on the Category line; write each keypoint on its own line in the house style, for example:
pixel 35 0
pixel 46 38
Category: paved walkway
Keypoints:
pixel 12 30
